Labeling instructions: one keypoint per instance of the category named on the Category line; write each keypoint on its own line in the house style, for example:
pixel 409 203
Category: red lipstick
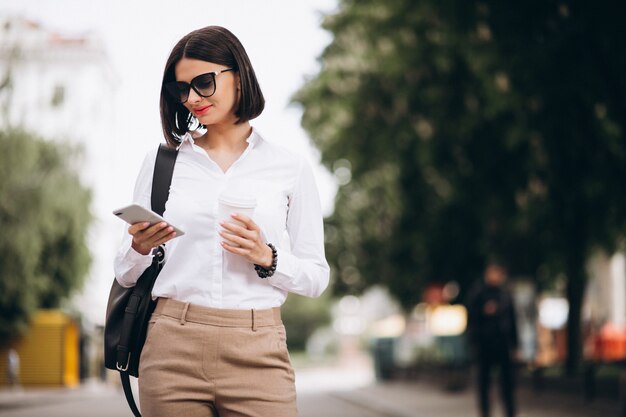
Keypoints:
pixel 199 111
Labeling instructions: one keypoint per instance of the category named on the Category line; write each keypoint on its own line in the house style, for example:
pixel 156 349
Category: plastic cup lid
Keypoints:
pixel 242 201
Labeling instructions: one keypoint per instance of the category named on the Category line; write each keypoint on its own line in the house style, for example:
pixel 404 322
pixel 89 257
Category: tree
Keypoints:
pixel 471 129
pixel 567 59
pixel 302 316
pixel 44 216
pixel 418 122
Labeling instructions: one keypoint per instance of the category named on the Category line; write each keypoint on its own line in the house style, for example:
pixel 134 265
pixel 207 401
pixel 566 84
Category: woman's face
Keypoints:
pixel 220 107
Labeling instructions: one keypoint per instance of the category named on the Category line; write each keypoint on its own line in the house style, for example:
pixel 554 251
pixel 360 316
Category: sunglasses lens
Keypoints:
pixel 178 90
pixel 204 84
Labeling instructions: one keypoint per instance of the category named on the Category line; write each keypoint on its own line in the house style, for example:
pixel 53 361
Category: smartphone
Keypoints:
pixel 136 214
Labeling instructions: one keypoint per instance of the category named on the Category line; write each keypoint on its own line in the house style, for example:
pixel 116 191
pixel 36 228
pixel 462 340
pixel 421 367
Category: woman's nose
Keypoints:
pixel 193 96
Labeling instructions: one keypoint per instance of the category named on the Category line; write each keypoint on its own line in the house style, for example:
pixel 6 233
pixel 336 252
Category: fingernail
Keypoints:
pixel 234 214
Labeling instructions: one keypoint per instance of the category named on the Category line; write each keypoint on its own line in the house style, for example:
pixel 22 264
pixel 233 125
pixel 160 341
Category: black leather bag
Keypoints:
pixel 128 312
pixel 129 309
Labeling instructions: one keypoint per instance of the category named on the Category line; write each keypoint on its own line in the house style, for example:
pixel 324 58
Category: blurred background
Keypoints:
pixel 444 134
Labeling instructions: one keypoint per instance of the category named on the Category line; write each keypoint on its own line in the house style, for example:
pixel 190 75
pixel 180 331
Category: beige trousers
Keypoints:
pixel 206 362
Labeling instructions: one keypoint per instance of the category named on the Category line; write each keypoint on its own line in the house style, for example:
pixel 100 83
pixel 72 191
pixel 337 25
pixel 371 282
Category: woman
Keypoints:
pixel 216 344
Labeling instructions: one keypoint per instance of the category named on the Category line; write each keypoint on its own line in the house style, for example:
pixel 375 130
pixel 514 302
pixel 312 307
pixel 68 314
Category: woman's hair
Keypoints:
pixel 217 45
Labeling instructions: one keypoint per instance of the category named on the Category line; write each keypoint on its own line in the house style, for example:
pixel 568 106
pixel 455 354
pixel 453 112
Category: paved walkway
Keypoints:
pixel 353 392
pixel 422 399
pixel 92 399
pixel 322 392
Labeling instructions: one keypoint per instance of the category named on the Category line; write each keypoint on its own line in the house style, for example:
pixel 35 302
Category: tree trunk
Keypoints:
pixel 576 278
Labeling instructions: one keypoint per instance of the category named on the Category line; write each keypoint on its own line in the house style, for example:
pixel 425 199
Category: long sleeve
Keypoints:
pixel 303 270
pixel 129 264
pixel 196 269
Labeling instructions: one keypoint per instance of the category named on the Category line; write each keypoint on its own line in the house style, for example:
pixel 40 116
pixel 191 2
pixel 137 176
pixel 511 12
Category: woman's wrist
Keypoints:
pixel 140 249
pixel 267 258
pixel 267 269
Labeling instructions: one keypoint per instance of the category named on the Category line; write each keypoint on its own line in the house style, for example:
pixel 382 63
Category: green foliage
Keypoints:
pixel 472 129
pixel 566 63
pixel 302 316
pixel 399 99
pixel 44 216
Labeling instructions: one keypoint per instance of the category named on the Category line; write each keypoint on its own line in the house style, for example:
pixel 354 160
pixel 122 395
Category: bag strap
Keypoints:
pixel 161 181
pixel 162 177
pixel 128 392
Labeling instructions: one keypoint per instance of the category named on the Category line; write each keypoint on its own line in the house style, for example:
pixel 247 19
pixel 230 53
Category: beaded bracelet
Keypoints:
pixel 263 272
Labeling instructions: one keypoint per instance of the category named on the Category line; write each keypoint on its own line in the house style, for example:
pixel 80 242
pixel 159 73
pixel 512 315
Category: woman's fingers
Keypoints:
pixel 239 230
pixel 165 239
pixel 244 238
pixel 159 231
pixel 138 227
pixel 237 250
pixel 152 236
pixel 247 221
pixel 237 240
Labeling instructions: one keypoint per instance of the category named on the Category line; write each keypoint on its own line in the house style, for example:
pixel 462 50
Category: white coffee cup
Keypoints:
pixel 234 203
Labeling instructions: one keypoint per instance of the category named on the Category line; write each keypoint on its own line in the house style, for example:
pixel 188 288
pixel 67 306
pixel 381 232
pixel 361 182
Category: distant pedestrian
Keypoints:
pixel 493 334
pixel 13 368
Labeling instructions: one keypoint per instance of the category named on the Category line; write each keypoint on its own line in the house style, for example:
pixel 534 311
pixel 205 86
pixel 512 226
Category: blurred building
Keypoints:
pixel 606 291
pixel 604 311
pixel 63 87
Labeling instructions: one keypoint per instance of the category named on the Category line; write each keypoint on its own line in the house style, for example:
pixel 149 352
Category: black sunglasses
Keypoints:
pixel 203 85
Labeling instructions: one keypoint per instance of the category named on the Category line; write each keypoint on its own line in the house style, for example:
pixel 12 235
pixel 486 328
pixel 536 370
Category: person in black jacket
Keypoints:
pixel 493 334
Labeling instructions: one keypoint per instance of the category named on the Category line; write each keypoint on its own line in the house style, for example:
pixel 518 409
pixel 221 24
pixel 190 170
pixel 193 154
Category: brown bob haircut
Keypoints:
pixel 217 45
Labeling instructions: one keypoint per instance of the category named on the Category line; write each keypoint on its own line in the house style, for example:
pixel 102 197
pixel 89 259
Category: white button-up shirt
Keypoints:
pixel 197 269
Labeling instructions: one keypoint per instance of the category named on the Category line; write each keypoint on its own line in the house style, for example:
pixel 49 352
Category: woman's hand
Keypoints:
pixel 146 237
pixel 246 240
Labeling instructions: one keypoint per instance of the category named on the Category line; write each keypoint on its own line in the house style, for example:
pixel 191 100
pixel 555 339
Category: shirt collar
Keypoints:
pixel 254 139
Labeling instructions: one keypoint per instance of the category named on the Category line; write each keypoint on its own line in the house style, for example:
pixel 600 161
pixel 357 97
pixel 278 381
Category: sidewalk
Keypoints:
pixel 11 398
pixel 336 390
pixel 423 399
pixel 93 398
pixel 346 391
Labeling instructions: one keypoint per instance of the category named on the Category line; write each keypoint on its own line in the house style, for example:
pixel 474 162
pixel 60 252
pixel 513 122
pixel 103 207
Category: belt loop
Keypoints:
pixel 183 317
pixel 253 322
